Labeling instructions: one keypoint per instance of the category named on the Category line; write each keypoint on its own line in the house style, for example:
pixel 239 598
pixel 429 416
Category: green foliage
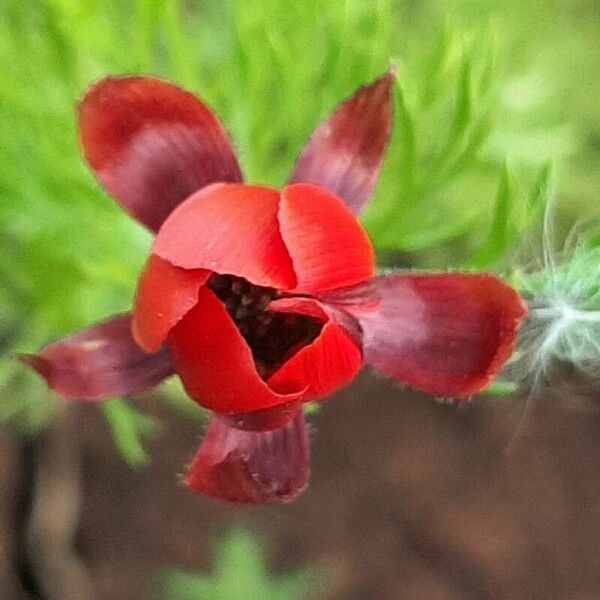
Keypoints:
pixel 25 404
pixel 129 427
pixel 514 213
pixel 443 119
pixel 240 573
pixel 500 388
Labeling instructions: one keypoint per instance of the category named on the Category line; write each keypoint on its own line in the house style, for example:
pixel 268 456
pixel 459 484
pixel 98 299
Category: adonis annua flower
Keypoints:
pixel 262 299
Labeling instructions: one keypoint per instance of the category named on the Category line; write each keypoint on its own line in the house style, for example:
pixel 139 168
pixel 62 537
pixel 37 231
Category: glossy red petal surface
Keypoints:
pixel 230 229
pixel 328 246
pixel 100 362
pixel 152 144
pixel 249 467
pixel 165 294
pixel 331 361
pixel 215 363
pixel 446 334
pixel 345 152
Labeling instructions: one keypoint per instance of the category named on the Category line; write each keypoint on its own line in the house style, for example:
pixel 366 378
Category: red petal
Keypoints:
pixel 100 362
pixel 215 363
pixel 152 144
pixel 445 334
pixel 328 246
pixel 251 467
pixel 329 362
pixel 345 152
pixel 165 294
pixel 230 229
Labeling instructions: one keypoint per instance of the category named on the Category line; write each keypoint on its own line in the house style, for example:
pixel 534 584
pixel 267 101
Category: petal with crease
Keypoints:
pixel 152 144
pixel 345 152
pixel 165 294
pixel 215 363
pixel 446 334
pixel 250 467
pixel 327 245
pixel 100 362
pixel 331 361
pixel 229 229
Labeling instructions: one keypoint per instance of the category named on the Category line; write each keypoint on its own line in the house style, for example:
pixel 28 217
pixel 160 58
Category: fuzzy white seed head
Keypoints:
pixel 564 310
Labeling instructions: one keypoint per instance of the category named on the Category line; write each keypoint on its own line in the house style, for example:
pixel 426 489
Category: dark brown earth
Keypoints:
pixel 409 499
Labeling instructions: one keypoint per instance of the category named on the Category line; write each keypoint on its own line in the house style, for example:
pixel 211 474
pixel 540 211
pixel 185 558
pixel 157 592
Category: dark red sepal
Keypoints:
pixel 152 144
pixel 345 152
pixel 99 362
pixel 249 467
pixel 446 334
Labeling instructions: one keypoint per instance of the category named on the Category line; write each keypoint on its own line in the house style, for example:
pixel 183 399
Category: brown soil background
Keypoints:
pixel 409 499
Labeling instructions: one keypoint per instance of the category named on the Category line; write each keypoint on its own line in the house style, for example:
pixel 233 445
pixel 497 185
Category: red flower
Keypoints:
pixel 260 299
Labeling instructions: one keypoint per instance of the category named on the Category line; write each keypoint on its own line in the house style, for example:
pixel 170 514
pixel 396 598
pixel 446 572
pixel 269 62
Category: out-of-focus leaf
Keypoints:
pixel 435 66
pixel 500 388
pixel 25 413
pixel 408 147
pixel 421 230
pixel 514 212
pixel 312 408
pixel 496 241
pixel 463 114
pixel 240 573
pixel 539 194
pixel 129 427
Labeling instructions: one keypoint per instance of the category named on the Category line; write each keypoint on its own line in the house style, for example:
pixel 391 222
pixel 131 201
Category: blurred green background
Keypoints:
pixel 496 104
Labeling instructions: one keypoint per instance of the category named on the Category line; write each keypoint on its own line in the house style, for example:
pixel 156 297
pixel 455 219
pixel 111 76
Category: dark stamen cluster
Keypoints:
pixel 272 337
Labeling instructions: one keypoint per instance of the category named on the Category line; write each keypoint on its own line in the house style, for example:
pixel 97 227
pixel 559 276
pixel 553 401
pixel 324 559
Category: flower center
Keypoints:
pixel 272 337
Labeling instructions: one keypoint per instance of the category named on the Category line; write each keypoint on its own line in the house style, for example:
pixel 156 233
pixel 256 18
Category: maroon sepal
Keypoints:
pixel 152 144
pixel 99 362
pixel 249 467
pixel 345 152
pixel 446 334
